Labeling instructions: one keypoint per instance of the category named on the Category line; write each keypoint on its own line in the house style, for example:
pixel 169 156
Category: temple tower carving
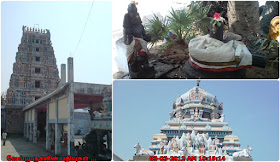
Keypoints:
pixel 34 74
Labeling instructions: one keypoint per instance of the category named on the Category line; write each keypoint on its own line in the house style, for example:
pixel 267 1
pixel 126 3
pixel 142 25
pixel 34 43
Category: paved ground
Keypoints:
pixel 18 146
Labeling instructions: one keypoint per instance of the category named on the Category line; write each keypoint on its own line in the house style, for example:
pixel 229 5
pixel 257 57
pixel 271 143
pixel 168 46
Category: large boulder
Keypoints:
pixel 270 10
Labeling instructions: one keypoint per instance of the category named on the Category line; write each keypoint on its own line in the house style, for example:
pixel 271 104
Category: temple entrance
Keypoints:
pixel 41 125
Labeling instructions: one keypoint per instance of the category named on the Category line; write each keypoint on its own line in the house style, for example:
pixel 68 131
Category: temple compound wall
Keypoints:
pixel 34 74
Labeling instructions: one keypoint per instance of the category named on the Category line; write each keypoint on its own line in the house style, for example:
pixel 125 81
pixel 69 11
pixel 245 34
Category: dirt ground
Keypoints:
pixel 177 54
pixel 262 73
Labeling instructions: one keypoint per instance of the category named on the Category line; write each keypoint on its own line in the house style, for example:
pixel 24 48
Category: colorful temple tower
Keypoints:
pixel 197 127
pixel 34 74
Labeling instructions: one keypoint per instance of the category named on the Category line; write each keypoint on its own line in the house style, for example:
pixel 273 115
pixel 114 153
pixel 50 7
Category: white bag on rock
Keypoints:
pixel 207 49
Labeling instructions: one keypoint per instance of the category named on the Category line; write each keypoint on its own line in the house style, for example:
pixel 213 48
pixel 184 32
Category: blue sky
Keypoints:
pixel 251 108
pixel 66 20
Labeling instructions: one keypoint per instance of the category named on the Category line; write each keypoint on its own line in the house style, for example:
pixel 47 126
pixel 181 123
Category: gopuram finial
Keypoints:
pixel 134 2
pixel 198 82
pixel 23 28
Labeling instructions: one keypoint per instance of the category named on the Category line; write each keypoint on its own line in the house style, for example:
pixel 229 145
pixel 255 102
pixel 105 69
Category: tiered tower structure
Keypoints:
pixel 197 127
pixel 34 74
pixel 231 144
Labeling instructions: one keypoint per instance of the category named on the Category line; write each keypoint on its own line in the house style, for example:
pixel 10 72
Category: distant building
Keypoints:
pixel 34 74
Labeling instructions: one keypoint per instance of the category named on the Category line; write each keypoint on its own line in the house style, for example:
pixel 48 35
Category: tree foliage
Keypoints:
pixel 3 98
pixel 179 22
pixel 199 16
pixel 184 23
pixel 157 28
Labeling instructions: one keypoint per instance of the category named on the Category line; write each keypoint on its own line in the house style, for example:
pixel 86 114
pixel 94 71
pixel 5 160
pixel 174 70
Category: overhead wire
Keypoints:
pixel 84 28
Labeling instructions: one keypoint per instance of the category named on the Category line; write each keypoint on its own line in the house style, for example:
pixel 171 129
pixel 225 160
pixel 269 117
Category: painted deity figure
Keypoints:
pixel 216 140
pixel 104 110
pixel 213 116
pixel 196 115
pixel 136 40
pixel 162 149
pixel 212 146
pixel 179 115
pixel 174 145
pixel 215 143
pixel 189 141
pixel 202 147
pixel 209 143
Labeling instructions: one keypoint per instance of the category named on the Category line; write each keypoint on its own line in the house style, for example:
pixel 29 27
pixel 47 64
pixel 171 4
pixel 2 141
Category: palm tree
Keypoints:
pixel 199 16
pixel 179 21
pixel 157 28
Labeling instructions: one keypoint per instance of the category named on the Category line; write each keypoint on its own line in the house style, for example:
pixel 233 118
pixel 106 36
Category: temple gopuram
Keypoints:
pixel 196 128
pixel 34 74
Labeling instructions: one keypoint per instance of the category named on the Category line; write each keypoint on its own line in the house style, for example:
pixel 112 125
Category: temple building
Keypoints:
pixel 66 117
pixel 196 127
pixel 34 74
pixel 54 115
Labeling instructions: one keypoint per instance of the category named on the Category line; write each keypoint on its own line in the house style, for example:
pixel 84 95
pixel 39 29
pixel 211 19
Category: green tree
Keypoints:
pixel 157 28
pixel 179 22
pixel 199 16
pixel 3 98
